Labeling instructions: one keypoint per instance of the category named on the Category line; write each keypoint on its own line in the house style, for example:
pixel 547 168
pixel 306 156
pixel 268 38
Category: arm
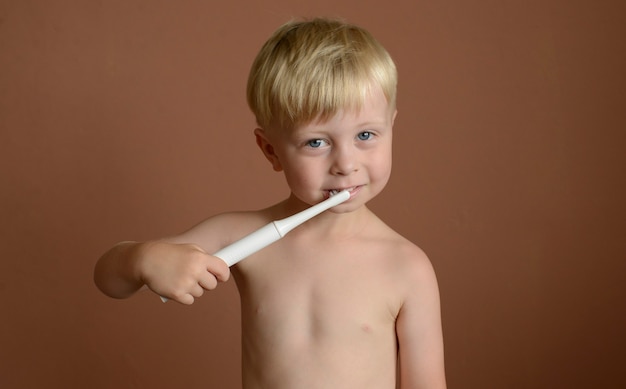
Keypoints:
pixel 419 330
pixel 178 271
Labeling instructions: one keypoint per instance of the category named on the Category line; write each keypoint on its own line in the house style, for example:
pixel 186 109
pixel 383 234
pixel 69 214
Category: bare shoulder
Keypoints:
pixel 222 229
pixel 407 257
pixel 414 262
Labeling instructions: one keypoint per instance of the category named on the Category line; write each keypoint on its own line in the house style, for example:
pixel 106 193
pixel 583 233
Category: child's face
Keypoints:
pixel 352 150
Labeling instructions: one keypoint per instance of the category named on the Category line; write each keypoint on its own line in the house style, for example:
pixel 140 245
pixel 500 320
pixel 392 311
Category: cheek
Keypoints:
pixel 384 172
pixel 380 167
pixel 301 173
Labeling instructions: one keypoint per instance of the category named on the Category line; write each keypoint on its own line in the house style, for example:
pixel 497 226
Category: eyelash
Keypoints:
pixel 311 142
pixel 317 143
pixel 368 133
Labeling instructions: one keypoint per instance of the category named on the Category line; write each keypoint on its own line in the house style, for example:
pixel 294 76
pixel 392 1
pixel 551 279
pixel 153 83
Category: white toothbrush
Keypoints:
pixel 273 231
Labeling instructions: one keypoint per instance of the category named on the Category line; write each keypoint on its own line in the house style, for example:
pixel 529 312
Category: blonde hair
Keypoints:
pixel 309 70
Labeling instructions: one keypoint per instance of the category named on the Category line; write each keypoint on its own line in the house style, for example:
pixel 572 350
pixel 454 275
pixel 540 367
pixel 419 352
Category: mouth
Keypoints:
pixel 331 192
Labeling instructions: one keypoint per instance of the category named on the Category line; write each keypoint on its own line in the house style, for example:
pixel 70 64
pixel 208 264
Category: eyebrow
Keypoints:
pixel 375 122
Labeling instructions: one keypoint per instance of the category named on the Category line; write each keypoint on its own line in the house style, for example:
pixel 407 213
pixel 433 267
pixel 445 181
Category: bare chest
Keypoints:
pixel 323 290
pixel 321 309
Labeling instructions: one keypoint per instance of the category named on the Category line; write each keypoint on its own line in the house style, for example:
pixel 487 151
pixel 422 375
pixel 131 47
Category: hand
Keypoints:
pixel 181 272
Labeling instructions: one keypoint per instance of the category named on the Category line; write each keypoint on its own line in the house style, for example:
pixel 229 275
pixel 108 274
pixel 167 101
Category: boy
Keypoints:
pixel 342 301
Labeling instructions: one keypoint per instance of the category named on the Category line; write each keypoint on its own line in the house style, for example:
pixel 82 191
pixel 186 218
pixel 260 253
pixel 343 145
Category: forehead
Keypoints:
pixel 375 110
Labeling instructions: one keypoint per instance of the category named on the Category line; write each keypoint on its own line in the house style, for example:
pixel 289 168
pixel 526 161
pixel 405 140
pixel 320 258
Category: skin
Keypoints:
pixel 342 301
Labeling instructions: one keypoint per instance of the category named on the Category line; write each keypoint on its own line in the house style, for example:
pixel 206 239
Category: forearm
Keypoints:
pixel 116 272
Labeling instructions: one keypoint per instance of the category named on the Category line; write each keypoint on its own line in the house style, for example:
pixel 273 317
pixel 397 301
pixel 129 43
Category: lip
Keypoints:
pixel 352 189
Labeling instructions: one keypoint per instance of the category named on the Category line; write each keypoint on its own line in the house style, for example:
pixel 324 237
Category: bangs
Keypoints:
pixel 311 72
pixel 321 90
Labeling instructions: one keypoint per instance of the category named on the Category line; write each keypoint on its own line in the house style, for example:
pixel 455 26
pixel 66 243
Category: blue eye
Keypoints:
pixel 315 143
pixel 365 135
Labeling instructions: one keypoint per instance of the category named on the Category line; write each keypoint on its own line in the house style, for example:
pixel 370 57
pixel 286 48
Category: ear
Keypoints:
pixel 268 150
pixel 393 118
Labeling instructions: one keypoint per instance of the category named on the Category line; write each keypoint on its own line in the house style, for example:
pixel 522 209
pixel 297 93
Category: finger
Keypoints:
pixel 197 291
pixel 220 270
pixel 208 282
pixel 186 299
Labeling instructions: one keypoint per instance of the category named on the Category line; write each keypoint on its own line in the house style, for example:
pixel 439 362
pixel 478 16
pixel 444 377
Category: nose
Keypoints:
pixel 344 161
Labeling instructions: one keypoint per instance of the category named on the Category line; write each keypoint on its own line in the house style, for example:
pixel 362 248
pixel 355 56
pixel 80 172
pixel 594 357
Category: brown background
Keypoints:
pixel 127 120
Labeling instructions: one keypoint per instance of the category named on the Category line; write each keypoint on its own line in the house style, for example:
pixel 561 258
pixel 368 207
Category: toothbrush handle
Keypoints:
pixel 247 246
